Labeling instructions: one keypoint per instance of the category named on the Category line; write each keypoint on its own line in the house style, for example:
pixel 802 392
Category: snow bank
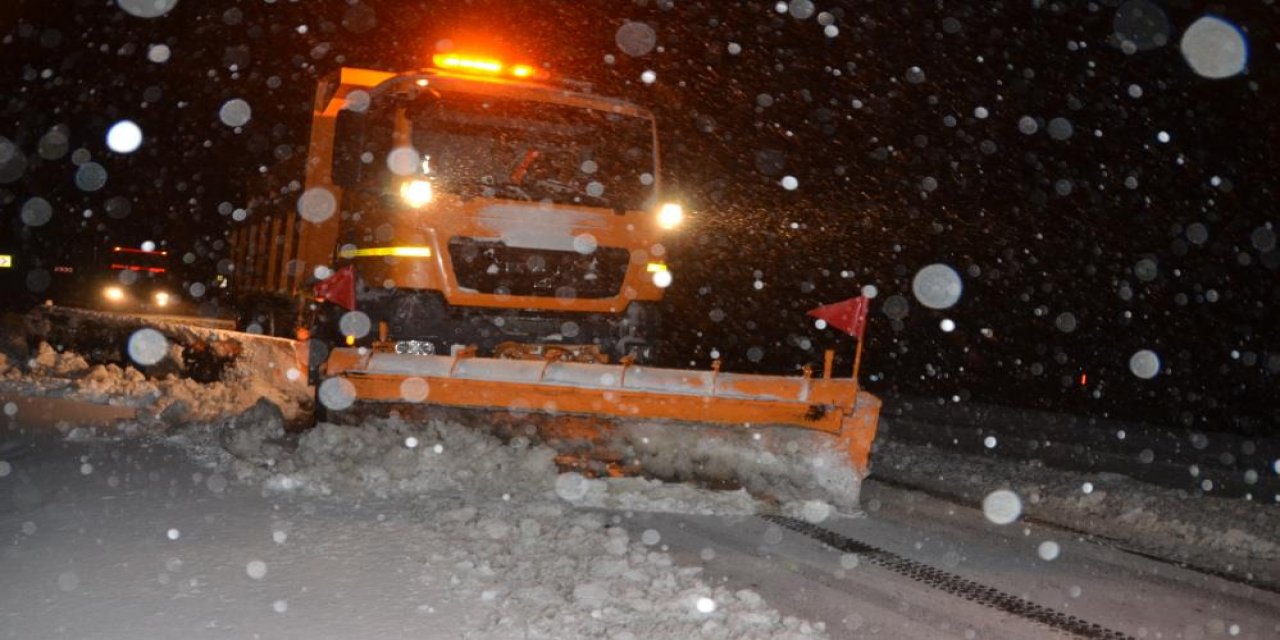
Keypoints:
pixel 171 398
pixel 643 494
pixel 91 366
pixel 389 458
pixel 543 572
pixel 504 529
pixel 1228 534
pixel 395 458
pixel 1220 462
pixel 785 464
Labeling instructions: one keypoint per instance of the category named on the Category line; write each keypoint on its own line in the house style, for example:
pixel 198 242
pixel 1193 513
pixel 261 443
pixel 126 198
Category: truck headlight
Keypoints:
pixel 670 215
pixel 416 193
pixel 162 299
pixel 114 294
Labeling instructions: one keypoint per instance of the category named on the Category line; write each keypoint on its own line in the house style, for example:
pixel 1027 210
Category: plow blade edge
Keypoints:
pixel 790 438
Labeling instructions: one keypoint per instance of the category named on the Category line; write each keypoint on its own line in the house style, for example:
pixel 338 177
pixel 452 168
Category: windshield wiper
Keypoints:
pixel 561 192
pixel 505 188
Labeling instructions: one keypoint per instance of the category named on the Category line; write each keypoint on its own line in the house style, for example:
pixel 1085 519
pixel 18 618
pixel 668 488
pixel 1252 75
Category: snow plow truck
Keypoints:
pixel 482 242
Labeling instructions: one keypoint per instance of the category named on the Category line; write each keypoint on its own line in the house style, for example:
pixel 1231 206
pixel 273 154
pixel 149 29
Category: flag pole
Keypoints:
pixel 857 362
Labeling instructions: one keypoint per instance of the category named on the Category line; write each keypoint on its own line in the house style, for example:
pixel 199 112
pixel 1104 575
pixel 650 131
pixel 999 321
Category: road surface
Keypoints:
pixel 873 593
pixel 133 539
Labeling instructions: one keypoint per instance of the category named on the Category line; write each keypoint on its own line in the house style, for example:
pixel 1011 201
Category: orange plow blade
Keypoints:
pixel 790 438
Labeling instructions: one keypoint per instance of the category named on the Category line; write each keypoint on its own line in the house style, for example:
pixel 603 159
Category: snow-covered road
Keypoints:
pixel 1120 592
pixel 134 538
pixel 154 507
pixel 145 537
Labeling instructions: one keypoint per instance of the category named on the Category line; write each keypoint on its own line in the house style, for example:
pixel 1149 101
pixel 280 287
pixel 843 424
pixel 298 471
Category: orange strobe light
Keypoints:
pixel 485 66
pixel 463 63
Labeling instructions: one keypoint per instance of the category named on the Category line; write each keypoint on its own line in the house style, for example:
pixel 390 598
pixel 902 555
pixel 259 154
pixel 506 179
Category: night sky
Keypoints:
pixel 1096 195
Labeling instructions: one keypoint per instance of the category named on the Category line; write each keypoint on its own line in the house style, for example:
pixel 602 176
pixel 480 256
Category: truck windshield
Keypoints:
pixel 520 149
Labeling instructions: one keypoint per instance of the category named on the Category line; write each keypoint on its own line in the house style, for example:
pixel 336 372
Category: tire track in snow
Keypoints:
pixel 951 583
pixel 1093 536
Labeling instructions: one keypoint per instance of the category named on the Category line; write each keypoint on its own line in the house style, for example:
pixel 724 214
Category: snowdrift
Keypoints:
pixel 170 372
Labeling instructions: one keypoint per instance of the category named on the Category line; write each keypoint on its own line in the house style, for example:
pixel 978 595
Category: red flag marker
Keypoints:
pixel 339 288
pixel 849 316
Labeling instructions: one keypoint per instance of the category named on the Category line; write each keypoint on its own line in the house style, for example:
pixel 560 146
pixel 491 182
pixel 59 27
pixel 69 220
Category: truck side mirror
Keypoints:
pixel 348 147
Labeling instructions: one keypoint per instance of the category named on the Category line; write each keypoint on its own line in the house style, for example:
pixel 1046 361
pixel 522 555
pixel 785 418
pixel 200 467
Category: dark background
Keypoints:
pixel 895 168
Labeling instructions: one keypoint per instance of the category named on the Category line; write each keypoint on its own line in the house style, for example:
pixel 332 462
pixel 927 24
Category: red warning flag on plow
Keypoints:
pixel 849 316
pixel 339 288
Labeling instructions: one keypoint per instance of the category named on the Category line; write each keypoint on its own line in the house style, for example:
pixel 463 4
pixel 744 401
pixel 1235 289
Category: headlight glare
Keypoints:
pixel 416 193
pixel 670 215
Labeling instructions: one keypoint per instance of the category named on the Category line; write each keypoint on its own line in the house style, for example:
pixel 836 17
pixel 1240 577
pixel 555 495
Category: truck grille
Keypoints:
pixel 493 267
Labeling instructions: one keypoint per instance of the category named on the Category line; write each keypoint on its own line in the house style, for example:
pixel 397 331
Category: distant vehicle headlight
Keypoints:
pixel 670 215
pixel 114 294
pixel 162 298
pixel 416 193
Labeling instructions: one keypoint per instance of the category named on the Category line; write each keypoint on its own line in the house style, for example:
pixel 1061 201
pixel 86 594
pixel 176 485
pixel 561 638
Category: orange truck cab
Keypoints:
pixel 475 203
